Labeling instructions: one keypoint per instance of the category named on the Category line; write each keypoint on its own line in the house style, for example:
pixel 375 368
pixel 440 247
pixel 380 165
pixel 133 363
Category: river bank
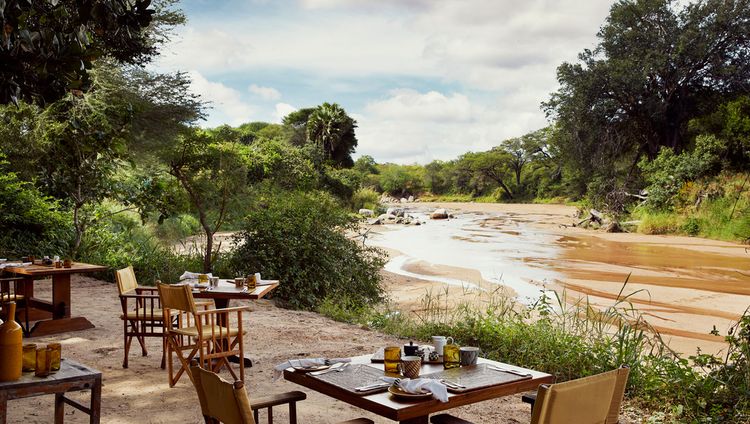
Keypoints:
pixel 685 287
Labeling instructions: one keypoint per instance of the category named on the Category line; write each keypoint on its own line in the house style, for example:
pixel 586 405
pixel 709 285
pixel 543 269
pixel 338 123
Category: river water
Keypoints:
pixel 684 286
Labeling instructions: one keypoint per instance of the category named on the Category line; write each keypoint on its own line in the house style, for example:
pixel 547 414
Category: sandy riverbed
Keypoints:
pixel 684 286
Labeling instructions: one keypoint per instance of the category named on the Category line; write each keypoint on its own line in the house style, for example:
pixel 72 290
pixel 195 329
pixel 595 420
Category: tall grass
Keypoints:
pixel 572 338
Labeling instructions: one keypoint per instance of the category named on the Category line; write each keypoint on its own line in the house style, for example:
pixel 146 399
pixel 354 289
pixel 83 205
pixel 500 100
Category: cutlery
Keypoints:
pixel 372 386
pixel 452 384
pixel 338 367
pixel 518 373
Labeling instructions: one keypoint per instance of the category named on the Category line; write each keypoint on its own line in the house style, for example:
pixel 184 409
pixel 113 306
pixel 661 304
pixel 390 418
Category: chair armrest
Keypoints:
pixel 529 398
pixel 12 278
pixel 357 421
pixel 278 399
pixel 223 310
pixel 140 296
pixel 141 289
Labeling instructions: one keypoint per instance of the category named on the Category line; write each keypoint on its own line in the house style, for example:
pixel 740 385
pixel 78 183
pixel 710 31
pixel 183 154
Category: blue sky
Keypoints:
pixel 425 79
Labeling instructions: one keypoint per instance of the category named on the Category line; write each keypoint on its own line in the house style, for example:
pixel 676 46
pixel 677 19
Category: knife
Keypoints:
pixel 518 373
pixel 372 386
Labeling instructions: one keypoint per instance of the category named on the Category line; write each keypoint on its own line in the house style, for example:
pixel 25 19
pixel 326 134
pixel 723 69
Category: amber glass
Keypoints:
pixel 67 263
pixel 451 356
pixel 203 278
pixel 251 282
pixel 58 264
pixel 55 349
pixel 392 356
pixel 42 362
pixel 29 357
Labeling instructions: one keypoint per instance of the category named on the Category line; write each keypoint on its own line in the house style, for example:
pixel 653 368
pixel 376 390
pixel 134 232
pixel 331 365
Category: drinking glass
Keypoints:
pixel 42 362
pixel 392 358
pixel 29 357
pixel 55 349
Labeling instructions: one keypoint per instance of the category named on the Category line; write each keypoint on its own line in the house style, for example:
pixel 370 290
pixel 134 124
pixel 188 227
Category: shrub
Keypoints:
pixel 301 239
pixel 176 228
pixel 365 198
pixel 121 241
pixel 30 223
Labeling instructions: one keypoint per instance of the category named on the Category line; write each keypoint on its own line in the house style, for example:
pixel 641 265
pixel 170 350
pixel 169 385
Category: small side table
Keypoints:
pixel 71 377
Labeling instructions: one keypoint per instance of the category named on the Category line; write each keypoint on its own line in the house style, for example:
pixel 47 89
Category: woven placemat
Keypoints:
pixel 475 377
pixel 353 376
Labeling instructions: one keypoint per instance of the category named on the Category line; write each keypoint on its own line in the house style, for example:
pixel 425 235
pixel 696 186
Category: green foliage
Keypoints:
pixel 30 223
pixel 668 172
pixel 176 228
pixel 49 47
pixel 330 128
pixel 658 64
pixel 401 180
pixel 301 239
pixel 121 240
pixel 365 198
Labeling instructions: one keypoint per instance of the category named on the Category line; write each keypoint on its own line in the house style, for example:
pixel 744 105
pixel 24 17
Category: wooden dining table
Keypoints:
pixel 52 317
pixel 418 411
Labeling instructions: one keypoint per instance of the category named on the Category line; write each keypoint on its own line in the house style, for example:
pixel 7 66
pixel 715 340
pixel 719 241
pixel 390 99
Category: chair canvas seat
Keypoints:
pixel 146 314
pixel 216 330
pixel 6 297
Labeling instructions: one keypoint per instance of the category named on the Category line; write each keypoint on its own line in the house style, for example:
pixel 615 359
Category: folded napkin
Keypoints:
pixel 187 275
pixel 420 385
pixel 14 264
pixel 278 370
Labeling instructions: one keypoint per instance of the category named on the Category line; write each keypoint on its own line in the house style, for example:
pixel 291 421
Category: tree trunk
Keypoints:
pixel 209 250
pixel 505 188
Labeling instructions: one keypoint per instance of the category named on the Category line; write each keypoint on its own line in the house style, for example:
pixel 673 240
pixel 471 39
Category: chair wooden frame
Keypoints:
pixel 209 334
pixel 141 316
pixel 618 381
pixel 222 400
pixel 9 292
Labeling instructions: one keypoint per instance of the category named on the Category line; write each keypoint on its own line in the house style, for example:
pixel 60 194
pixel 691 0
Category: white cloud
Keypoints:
pixel 282 110
pixel 410 126
pixel 226 103
pixel 482 68
pixel 265 93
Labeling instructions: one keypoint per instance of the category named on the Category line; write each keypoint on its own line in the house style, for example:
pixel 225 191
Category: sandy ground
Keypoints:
pixel 140 394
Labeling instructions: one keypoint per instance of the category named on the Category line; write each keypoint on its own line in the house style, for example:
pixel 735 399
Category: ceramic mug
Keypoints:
pixel 410 366
pixel 469 355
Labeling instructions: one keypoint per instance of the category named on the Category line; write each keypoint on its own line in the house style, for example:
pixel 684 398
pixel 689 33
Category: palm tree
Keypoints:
pixel 332 129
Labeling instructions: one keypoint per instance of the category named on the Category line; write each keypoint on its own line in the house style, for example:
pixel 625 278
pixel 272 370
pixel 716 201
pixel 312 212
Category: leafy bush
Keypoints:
pixel 667 174
pixel 30 223
pixel 365 198
pixel 177 228
pixel 121 241
pixel 301 239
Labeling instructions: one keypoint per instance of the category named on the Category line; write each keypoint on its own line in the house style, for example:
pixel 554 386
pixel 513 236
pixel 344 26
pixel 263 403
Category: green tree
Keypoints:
pixel 49 47
pixel 331 129
pixel 401 180
pixel 215 175
pixel 657 65
pixel 295 126
pixel 493 165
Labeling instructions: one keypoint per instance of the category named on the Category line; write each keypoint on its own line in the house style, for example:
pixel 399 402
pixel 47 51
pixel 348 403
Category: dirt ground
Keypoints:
pixel 140 394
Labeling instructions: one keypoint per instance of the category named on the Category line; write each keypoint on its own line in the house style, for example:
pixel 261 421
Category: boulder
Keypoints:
pixel 403 200
pixel 395 211
pixel 439 214
pixel 366 212
pixel 410 199
pixel 613 227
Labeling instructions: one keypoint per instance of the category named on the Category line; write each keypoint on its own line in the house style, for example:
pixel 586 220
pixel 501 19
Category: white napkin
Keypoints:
pixel 14 264
pixel 278 370
pixel 416 386
pixel 187 275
